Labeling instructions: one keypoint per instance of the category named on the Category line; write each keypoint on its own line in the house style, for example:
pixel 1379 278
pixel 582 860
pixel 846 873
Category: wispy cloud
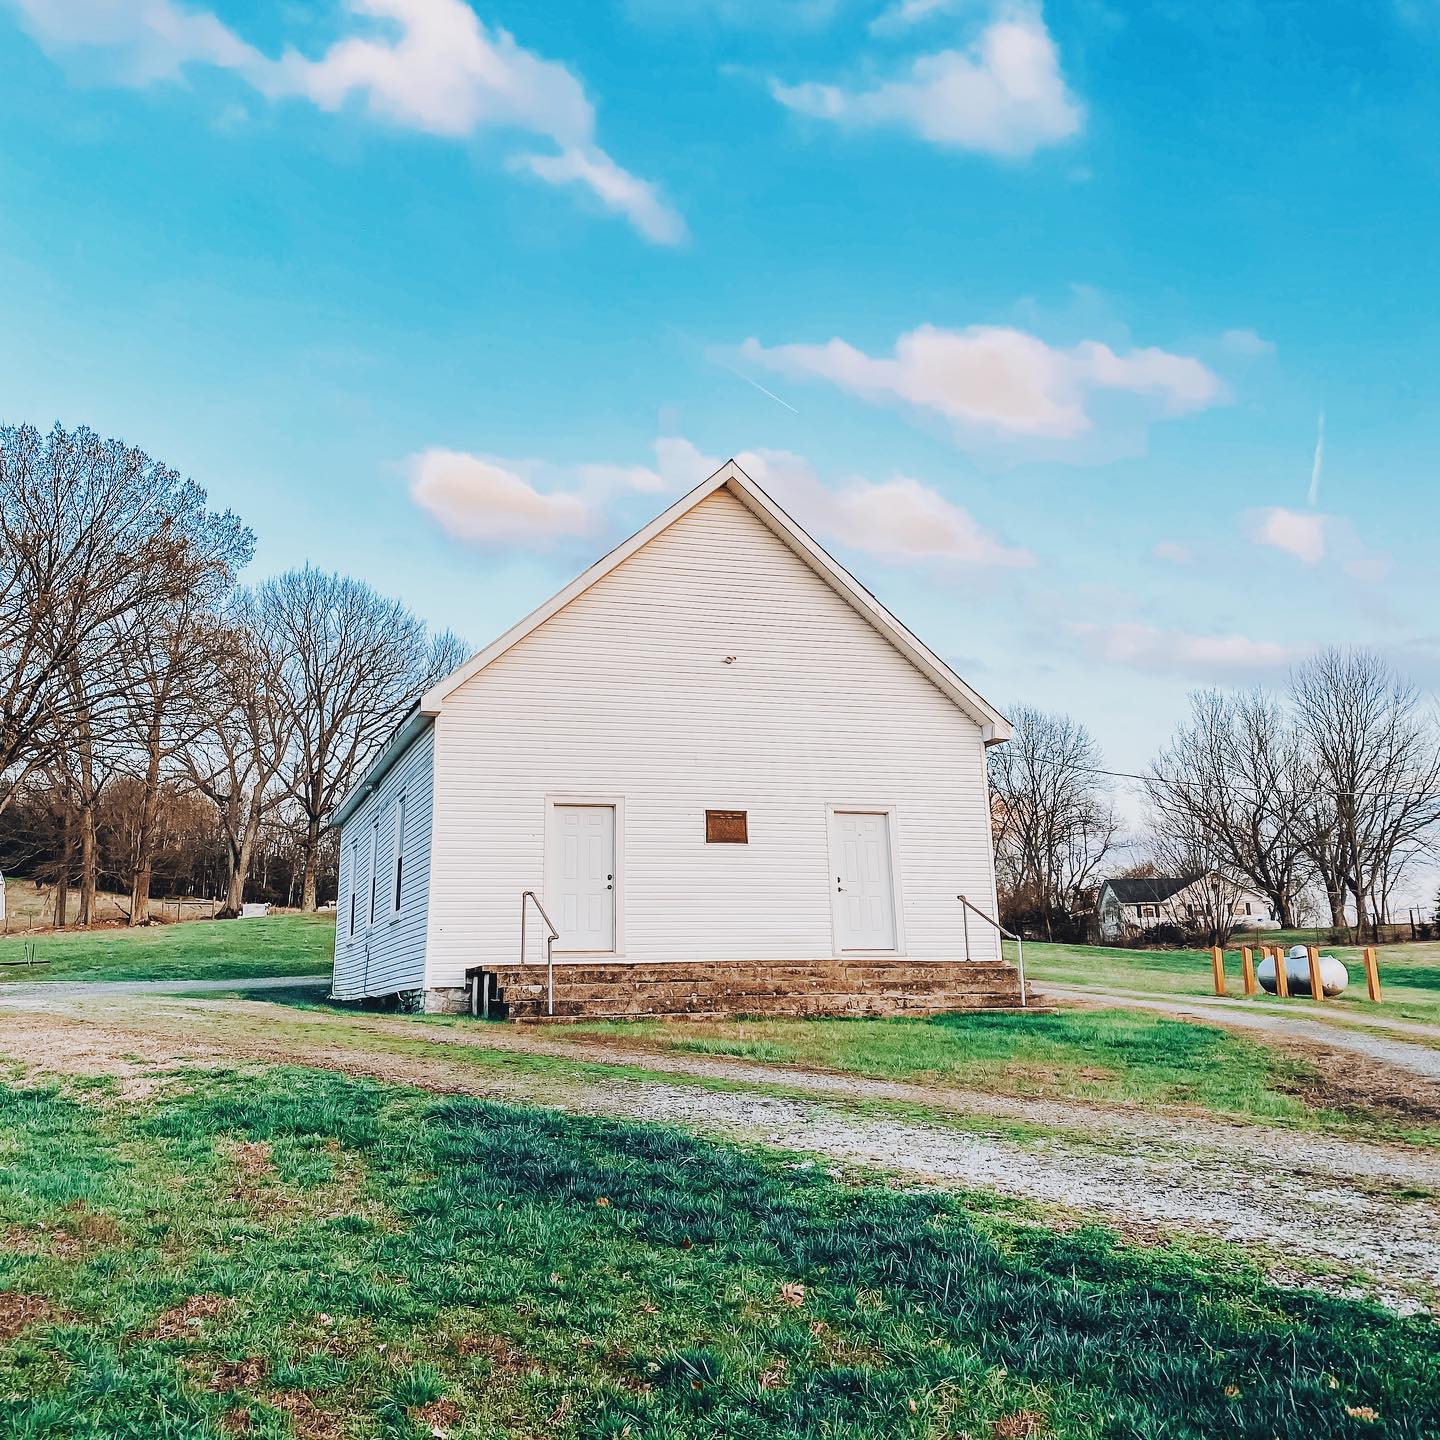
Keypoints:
pixel 1312 537
pixel 1178 652
pixel 904 15
pixel 1003 95
pixel 426 65
pixel 1174 553
pixel 999 379
pixel 1296 532
pixel 487 502
pixel 1313 496
pixel 1247 343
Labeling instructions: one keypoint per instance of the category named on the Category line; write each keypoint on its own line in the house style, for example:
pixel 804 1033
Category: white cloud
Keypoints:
pixel 500 502
pixel 1004 95
pixel 485 501
pixel 1299 533
pixel 899 520
pixel 1149 648
pixel 150 39
pixel 427 65
pixel 1174 553
pixel 1312 537
pixel 904 14
pixel 618 190
pixel 999 378
pixel 1247 342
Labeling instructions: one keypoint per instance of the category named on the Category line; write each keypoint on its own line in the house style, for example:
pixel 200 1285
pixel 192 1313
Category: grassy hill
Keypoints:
pixel 195 950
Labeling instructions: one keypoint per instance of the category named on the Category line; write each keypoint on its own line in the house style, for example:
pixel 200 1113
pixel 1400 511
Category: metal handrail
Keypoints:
pixel 551 937
pixel 967 907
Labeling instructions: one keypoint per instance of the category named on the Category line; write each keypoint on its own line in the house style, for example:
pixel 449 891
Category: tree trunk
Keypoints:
pixel 309 901
pixel 89 863
pixel 145 842
pixel 242 857
pixel 62 878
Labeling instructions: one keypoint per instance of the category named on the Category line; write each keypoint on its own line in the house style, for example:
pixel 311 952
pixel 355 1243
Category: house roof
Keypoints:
pixel 1150 889
pixel 994 727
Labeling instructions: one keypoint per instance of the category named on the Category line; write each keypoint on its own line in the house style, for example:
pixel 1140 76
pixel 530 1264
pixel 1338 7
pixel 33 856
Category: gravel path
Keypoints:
pixel 1409 1055
pixel 36 994
pixel 1363 1207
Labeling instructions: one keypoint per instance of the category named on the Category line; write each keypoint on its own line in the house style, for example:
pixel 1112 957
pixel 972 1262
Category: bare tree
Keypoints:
pixel 1232 774
pixel 88 532
pixel 238 757
pixel 1186 850
pixel 1371 776
pixel 1052 812
pixel 354 662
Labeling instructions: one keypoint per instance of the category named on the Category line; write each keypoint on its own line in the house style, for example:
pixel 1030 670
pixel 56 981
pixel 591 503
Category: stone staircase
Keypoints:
pixel 701 990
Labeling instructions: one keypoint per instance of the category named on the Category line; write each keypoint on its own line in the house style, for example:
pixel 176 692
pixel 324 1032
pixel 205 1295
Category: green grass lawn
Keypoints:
pixel 293 1253
pixel 1409 974
pixel 1113 1056
pixel 194 950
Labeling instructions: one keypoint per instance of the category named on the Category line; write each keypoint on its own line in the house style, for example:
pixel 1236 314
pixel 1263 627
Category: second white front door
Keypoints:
pixel 583 876
pixel 864 886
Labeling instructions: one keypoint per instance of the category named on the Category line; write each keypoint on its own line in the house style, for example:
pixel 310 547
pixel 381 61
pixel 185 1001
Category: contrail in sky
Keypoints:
pixel 726 365
pixel 1314 496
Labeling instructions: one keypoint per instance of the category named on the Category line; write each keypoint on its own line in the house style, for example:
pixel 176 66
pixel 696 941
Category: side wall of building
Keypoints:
pixel 379 948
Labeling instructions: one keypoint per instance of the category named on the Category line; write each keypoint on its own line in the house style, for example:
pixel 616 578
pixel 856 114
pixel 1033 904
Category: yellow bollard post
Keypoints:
pixel 1317 989
pixel 1372 973
pixel 1247 969
pixel 1217 964
pixel 1282 977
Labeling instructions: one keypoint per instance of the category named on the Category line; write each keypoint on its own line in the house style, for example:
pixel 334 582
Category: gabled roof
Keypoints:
pixel 1150 889
pixel 731 477
pixel 994 727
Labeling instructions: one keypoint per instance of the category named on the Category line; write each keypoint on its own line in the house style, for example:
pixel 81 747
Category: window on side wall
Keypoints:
pixel 397 877
pixel 354 882
pixel 374 856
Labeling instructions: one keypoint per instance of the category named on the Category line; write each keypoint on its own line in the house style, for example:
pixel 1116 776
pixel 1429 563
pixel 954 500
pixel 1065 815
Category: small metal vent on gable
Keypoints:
pixel 726 827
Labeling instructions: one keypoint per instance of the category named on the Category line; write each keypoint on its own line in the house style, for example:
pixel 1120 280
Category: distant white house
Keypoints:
pixel 714 746
pixel 1131 906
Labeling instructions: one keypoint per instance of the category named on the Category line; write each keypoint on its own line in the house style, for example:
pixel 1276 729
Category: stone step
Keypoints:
pixel 868 1007
pixel 667 973
pixel 870 987
pixel 760 988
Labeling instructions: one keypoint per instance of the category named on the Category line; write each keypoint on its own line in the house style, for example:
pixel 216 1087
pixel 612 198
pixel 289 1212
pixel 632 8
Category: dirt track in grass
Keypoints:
pixel 1352 1205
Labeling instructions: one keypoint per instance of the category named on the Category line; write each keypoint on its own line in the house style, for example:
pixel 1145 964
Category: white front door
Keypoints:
pixel 582 898
pixel 864 889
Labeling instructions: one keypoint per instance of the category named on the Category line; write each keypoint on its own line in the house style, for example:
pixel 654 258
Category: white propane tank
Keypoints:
pixel 1334 977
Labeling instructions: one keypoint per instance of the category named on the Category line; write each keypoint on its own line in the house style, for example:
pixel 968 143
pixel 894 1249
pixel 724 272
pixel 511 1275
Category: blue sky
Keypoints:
pixel 1029 314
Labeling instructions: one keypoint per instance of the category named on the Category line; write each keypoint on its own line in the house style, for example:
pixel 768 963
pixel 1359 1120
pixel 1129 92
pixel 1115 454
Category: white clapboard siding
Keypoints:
pixel 625 694
pixel 389 955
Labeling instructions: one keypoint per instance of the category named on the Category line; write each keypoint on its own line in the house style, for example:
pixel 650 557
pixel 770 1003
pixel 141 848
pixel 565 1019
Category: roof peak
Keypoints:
pixel 994 726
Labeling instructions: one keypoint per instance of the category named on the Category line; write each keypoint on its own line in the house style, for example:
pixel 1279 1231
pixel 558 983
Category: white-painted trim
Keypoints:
pixel 617 804
pixel 994 726
pixel 891 812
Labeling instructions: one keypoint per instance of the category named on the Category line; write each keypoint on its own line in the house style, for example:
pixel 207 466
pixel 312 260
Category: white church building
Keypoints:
pixel 714 768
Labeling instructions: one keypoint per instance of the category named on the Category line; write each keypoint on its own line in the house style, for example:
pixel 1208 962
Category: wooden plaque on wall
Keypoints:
pixel 726 827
